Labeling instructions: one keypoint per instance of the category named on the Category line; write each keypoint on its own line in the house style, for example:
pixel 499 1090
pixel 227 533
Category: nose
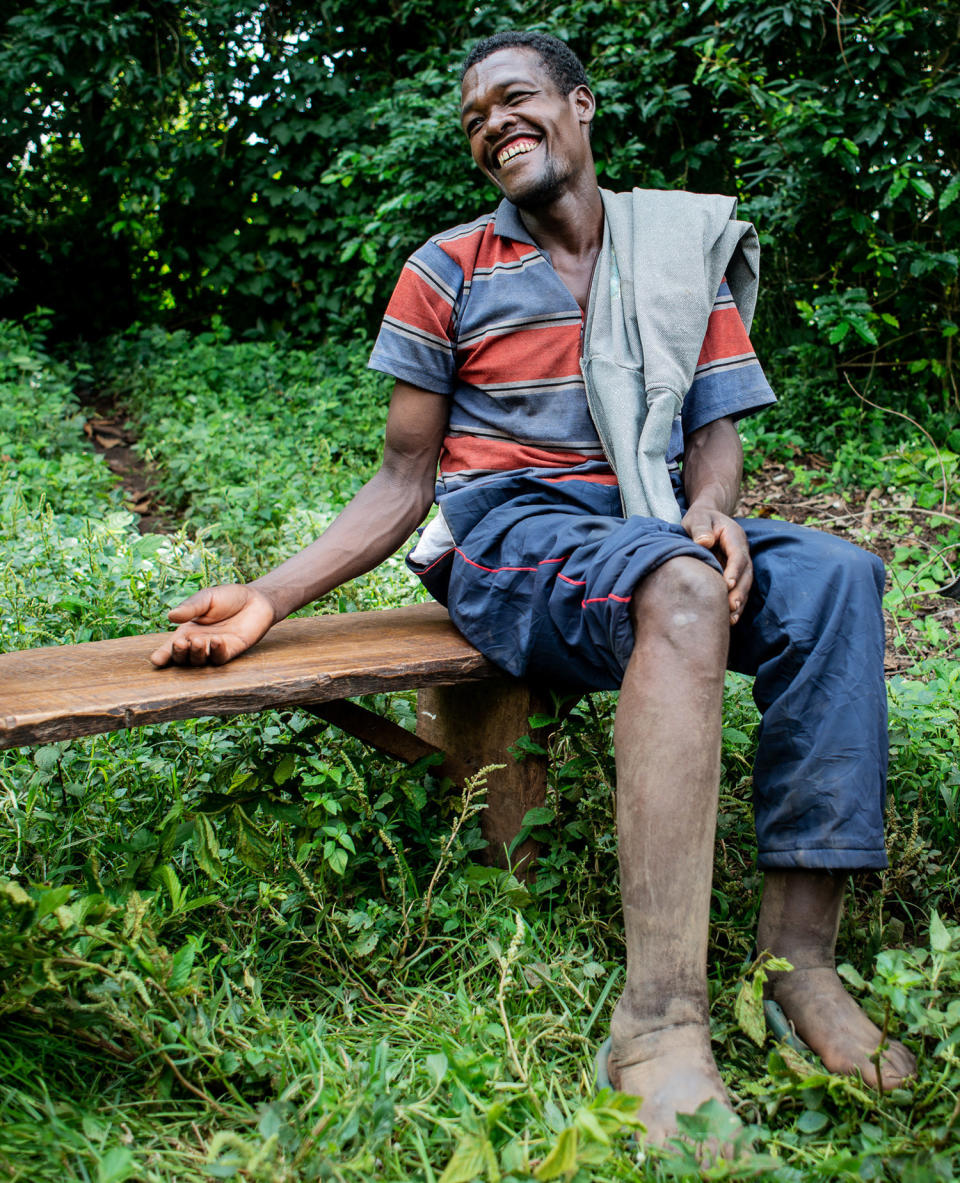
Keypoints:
pixel 499 119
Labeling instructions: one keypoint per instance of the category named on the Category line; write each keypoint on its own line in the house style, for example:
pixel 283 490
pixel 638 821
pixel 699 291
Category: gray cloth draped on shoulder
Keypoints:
pixel 664 255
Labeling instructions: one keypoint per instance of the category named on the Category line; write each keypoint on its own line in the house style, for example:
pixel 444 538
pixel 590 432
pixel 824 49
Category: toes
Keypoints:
pixel 897 1066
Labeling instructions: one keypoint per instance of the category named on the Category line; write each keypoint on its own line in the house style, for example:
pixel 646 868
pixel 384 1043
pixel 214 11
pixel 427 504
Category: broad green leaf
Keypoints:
pixel 50 899
pixel 712 1119
pixel 540 815
pixel 467 1163
pixel 812 1121
pixel 167 877
pixel 896 188
pixel 849 974
pixel 285 769
pixel 182 965
pixel 116 1166
pixel 206 847
pixel 253 846
pixel 940 941
pixel 950 194
pixel 46 758
pixel 588 1123
pixel 748 1011
pixel 437 1065
pixel 337 860
pixel 562 1159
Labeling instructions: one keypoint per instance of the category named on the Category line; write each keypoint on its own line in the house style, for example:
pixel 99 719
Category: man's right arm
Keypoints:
pixel 219 623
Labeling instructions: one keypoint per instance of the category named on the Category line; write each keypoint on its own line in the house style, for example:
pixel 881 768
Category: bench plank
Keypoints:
pixel 60 693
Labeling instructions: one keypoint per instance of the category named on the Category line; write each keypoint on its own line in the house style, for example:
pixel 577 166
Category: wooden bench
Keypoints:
pixel 467 708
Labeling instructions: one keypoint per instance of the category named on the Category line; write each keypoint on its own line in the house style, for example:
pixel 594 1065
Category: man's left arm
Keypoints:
pixel 712 468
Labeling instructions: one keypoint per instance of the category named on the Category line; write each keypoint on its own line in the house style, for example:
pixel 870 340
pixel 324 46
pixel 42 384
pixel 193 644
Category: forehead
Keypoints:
pixel 500 70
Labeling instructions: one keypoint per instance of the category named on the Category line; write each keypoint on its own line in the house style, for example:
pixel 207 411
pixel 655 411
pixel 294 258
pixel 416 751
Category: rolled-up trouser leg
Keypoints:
pixel 812 634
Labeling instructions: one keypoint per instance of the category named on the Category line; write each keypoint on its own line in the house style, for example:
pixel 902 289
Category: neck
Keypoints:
pixel 571 224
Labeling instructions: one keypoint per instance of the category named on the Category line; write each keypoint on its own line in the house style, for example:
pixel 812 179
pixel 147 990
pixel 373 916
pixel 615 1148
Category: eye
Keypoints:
pixel 472 125
pixel 517 96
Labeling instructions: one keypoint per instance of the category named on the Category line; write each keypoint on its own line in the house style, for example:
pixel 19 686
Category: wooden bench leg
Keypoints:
pixel 477 723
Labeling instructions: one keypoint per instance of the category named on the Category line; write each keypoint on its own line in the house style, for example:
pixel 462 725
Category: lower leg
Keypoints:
pixel 799 919
pixel 667 743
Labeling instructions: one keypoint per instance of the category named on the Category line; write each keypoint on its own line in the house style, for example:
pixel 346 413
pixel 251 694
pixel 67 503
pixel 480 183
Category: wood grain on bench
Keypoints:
pixel 59 693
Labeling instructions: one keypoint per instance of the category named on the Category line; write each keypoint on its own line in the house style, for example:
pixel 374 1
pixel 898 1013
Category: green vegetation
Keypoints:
pixel 252 949
pixel 274 164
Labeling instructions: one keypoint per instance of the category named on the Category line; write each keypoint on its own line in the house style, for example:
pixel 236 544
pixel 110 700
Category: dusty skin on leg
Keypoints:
pixel 667 741
pixel 799 919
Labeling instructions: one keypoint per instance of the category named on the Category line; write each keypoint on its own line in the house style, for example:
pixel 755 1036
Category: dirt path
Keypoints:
pixel 873 519
pixel 110 435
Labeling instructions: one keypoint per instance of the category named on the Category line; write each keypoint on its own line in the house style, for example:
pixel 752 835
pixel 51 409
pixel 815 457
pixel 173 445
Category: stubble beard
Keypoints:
pixel 545 189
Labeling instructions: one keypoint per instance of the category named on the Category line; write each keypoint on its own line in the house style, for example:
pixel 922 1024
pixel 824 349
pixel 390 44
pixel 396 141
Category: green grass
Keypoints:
pixel 249 949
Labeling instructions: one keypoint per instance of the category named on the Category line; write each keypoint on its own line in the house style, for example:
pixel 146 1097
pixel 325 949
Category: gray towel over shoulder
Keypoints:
pixel 664 255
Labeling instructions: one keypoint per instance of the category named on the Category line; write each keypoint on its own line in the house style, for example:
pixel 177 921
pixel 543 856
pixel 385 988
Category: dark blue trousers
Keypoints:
pixel 540 580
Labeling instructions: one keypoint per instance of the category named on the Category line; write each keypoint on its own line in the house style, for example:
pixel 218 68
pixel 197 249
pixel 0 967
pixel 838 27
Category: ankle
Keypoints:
pixel 800 956
pixel 800 916
pixel 637 1015
pixel 801 980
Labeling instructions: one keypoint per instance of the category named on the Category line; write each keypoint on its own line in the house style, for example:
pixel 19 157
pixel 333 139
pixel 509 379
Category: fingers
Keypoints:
pixel 220 652
pixel 162 656
pixel 739 576
pixel 734 552
pixel 189 646
pixel 197 605
pixel 216 625
pixel 211 605
pixel 721 535
pixel 701 526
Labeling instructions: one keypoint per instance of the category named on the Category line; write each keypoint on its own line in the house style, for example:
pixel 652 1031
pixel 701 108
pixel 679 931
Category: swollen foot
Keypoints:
pixel 831 1023
pixel 672 1070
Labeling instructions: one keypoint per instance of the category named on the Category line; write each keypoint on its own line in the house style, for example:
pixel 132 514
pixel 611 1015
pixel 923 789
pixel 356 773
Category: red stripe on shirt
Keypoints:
pixel 528 355
pixel 415 303
pixel 483 248
pixel 465 452
pixel 725 336
pixel 592 478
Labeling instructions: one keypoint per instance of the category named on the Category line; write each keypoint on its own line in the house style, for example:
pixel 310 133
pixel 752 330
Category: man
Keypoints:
pixel 540 569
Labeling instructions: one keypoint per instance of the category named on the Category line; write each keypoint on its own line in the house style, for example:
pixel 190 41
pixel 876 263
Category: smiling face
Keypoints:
pixel 532 141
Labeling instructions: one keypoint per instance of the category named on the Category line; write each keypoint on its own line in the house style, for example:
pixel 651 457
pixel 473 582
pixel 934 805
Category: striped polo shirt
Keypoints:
pixel 480 315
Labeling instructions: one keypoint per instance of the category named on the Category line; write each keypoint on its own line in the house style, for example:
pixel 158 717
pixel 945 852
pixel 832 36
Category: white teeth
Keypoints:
pixel 518 148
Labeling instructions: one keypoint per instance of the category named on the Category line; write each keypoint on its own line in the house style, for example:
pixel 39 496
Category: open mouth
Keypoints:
pixel 518 147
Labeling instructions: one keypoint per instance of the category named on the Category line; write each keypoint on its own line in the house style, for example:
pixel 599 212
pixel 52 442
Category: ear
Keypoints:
pixel 584 103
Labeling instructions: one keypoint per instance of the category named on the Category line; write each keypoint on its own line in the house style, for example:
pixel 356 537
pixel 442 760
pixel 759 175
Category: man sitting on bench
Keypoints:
pixel 544 572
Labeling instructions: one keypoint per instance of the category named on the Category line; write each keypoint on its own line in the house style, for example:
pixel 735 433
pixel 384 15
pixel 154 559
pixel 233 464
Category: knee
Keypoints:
pixel 682 601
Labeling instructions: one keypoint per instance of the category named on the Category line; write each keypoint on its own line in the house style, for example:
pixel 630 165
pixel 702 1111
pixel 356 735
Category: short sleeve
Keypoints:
pixel 416 342
pixel 729 380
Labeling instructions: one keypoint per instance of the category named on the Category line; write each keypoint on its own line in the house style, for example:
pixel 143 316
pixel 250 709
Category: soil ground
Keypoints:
pixel 109 433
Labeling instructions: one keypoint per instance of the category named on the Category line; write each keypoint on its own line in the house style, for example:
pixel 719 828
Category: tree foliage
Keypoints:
pixel 274 162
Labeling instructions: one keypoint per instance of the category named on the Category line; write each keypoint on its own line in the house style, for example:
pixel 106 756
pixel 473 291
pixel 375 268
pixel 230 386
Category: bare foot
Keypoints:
pixel 832 1024
pixel 673 1071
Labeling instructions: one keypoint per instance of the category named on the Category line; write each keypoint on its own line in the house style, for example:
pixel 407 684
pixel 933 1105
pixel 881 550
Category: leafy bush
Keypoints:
pixel 257 446
pixel 275 165
pixel 75 567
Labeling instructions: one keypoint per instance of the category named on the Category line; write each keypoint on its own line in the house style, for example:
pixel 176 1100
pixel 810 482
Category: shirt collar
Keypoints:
pixel 508 223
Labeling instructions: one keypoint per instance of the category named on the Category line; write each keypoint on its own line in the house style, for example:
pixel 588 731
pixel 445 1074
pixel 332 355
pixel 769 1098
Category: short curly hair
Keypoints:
pixel 560 62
